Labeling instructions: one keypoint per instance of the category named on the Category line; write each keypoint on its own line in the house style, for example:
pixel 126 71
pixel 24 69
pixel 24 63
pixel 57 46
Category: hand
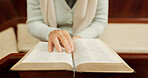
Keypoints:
pixel 57 36
pixel 76 37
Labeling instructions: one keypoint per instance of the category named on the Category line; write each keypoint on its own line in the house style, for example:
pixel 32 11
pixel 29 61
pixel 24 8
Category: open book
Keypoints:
pixel 90 55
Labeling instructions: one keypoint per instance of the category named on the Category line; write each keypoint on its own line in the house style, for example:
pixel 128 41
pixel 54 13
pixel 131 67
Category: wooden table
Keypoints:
pixel 139 62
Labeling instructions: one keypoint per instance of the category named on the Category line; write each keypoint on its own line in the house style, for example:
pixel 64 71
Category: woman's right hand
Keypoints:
pixel 60 36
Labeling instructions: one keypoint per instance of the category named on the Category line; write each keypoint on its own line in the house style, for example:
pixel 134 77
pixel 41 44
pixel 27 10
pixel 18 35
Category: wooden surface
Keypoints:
pixel 139 62
pixel 6 63
pixel 128 9
pixel 8 16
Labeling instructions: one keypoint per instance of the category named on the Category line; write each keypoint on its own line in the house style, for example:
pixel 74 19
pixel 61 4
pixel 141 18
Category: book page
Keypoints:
pixel 93 51
pixel 40 54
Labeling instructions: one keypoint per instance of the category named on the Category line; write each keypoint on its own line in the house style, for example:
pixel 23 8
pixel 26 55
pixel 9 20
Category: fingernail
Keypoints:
pixel 72 49
pixel 60 50
pixel 50 51
pixel 69 51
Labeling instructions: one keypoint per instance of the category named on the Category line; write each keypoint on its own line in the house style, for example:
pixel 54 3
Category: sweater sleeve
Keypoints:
pixel 35 22
pixel 99 22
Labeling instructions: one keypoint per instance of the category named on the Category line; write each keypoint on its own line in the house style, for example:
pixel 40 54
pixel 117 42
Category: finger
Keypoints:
pixel 68 37
pixel 57 44
pixel 61 44
pixel 65 43
pixel 50 45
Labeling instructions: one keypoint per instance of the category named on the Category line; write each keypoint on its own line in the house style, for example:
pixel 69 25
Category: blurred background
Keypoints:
pixel 126 33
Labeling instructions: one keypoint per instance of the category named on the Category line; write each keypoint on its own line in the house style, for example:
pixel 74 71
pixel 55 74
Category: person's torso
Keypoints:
pixel 64 15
